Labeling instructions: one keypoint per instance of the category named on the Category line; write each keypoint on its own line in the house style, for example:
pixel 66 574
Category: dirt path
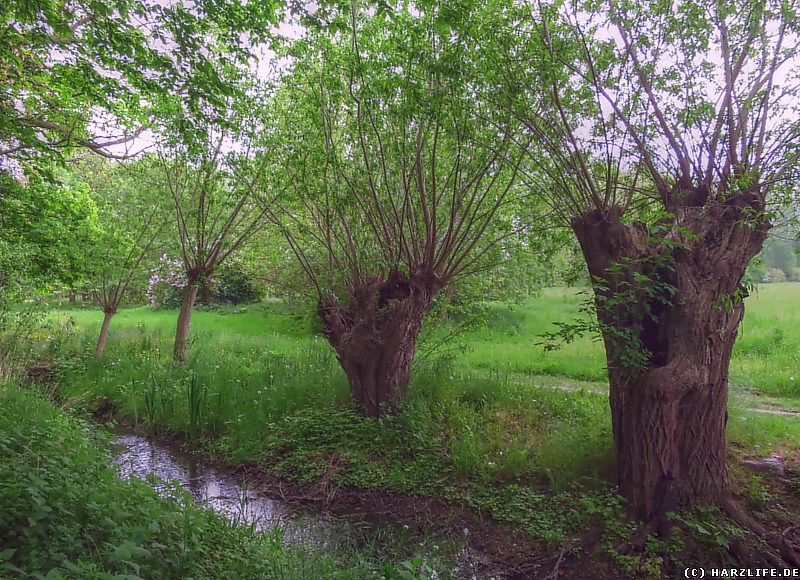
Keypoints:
pixel 551 383
pixel 774 411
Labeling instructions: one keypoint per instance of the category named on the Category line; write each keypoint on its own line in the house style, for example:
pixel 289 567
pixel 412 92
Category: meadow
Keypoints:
pixel 766 357
pixel 497 401
pixel 491 420
pixel 505 344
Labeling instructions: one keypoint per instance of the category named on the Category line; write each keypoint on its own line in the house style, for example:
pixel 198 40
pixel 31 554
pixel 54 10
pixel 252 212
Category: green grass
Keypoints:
pixel 281 400
pixel 247 405
pixel 766 356
pixel 267 325
pixel 489 412
pixel 509 342
pixel 233 386
pixel 493 422
pixel 262 388
pixel 762 433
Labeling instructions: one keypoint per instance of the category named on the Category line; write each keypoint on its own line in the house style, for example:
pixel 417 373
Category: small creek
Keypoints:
pixel 228 494
pixel 218 489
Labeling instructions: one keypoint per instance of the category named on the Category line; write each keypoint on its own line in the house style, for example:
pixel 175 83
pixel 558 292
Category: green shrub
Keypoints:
pixel 234 286
pixel 774 275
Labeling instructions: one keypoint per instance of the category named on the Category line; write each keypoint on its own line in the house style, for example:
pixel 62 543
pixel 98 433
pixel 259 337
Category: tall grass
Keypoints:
pixel 196 394
pixel 231 387
pixel 766 356
pixel 486 427
pixel 254 368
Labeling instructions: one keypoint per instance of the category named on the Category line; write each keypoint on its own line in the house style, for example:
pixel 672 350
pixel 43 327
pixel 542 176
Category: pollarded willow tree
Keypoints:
pixel 393 183
pixel 665 133
pixel 214 214
pixel 132 215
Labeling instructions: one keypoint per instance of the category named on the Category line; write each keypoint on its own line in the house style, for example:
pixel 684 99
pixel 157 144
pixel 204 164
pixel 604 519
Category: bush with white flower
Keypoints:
pixel 167 281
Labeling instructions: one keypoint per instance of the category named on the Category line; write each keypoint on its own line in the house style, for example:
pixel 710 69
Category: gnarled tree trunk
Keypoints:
pixel 108 314
pixel 375 335
pixel 180 353
pixel 676 296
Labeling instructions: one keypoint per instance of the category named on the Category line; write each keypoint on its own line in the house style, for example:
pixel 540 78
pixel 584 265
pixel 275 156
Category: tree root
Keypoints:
pixel 660 525
pixel 785 543
pixel 555 572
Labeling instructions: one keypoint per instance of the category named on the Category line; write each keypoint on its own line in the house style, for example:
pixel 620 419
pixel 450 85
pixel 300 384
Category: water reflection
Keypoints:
pixel 220 490
pixel 228 494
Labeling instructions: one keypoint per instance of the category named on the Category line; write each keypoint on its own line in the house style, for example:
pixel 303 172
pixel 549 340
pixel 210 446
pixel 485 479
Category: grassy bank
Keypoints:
pixel 65 514
pixel 261 387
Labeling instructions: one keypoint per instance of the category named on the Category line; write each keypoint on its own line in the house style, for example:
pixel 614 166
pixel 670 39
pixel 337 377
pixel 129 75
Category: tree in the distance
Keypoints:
pixel 214 215
pixel 132 215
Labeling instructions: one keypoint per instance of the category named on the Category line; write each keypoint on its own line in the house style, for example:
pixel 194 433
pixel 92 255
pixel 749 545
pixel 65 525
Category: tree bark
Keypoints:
pixel 103 338
pixel 676 296
pixel 375 335
pixel 180 353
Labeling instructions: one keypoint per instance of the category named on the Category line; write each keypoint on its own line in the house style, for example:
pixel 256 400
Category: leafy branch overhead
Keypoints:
pixel 95 74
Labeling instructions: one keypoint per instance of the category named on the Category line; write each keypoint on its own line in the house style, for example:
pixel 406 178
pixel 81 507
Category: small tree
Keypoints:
pixel 214 215
pixel 394 183
pixel 131 218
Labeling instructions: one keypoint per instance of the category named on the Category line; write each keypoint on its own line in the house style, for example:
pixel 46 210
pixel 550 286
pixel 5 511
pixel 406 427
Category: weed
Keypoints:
pixel 196 396
pixel 519 434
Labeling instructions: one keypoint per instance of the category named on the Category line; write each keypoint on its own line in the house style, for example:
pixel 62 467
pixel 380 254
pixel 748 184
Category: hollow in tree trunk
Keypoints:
pixel 108 314
pixel 375 335
pixel 679 300
pixel 180 353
